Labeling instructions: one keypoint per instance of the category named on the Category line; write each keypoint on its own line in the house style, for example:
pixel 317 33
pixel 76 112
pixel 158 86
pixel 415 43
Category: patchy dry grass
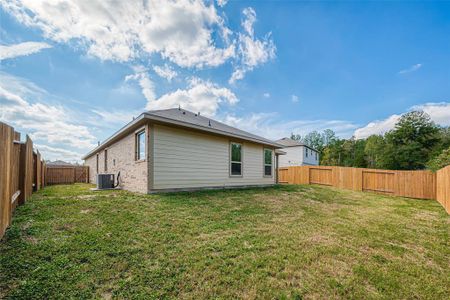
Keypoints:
pixel 284 242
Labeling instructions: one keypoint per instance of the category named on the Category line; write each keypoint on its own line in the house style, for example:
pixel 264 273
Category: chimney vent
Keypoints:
pixel 98 143
pixel 199 113
pixel 209 123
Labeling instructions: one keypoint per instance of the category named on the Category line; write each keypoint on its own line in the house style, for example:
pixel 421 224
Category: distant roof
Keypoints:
pixel 58 163
pixel 185 118
pixel 287 142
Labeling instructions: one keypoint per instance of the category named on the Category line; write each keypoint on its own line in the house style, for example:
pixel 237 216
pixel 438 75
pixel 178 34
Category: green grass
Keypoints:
pixel 284 242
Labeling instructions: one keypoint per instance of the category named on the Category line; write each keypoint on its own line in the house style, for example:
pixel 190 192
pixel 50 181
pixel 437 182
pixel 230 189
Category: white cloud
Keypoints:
pixel 180 31
pixel 46 124
pixel 222 3
pixel 376 127
pixel 22 49
pixel 439 113
pixel 411 69
pixel 200 95
pixel 146 84
pixel 105 118
pixel 251 51
pixel 165 72
pixel 55 153
pixel 267 125
pixel 294 98
pixel 266 95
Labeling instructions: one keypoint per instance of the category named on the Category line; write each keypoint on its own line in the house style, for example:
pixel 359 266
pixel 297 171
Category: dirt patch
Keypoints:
pixel 107 295
pixel 426 215
pixel 31 239
pixel 86 197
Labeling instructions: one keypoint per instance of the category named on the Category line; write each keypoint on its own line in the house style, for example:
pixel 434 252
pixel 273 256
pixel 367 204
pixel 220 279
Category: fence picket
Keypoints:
pixel 413 184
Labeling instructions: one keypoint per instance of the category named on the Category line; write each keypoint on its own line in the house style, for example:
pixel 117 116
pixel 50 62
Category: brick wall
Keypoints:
pixel 121 157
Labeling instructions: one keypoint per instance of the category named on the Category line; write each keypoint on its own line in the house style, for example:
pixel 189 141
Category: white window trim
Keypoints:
pixel 236 162
pixel 265 165
pixel 137 146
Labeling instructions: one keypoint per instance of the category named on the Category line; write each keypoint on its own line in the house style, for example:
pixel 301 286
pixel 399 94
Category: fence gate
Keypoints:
pixel 381 182
pixel 321 176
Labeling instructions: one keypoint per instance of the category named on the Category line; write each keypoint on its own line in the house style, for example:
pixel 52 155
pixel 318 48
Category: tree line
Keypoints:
pixel 415 143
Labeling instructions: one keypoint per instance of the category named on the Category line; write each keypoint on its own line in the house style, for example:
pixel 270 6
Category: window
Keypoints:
pixel 106 160
pixel 316 155
pixel 306 152
pixel 235 159
pixel 140 145
pixel 96 166
pixel 267 162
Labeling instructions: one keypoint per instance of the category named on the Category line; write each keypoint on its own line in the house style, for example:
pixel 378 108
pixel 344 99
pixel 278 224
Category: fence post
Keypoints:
pixel 6 136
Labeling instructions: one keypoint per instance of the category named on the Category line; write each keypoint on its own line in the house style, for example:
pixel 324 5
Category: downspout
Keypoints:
pixel 276 170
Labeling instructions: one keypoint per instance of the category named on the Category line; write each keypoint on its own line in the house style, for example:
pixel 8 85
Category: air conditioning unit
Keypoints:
pixel 105 181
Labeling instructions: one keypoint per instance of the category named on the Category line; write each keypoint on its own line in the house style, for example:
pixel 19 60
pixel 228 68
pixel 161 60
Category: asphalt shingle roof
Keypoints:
pixel 185 116
pixel 287 142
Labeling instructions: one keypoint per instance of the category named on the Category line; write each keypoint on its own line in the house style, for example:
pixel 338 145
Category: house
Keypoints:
pixel 58 163
pixel 175 149
pixel 297 154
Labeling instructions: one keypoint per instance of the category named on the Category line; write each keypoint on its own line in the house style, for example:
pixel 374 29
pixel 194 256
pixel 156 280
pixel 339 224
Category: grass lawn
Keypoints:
pixel 298 242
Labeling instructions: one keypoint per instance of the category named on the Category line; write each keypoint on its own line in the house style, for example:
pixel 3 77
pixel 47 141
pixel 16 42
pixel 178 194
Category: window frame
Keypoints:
pixel 137 146
pixel 105 154
pixel 230 150
pixel 306 151
pixel 266 165
pixel 97 161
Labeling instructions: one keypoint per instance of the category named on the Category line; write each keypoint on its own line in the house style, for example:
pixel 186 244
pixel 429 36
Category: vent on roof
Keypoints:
pixel 184 112
pixel 209 122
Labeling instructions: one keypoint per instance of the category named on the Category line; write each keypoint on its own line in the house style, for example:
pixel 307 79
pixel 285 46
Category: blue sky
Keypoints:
pixel 73 73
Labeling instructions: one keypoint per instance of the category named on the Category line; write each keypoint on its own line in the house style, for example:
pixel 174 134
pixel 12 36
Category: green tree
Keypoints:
pixel 296 137
pixel 373 151
pixel 440 161
pixel 410 143
pixel 333 153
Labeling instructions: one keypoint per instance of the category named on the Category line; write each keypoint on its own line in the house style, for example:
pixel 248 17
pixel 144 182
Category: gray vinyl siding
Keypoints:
pixel 188 159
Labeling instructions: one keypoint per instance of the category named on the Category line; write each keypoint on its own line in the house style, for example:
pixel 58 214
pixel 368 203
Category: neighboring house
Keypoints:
pixel 175 149
pixel 58 163
pixel 297 154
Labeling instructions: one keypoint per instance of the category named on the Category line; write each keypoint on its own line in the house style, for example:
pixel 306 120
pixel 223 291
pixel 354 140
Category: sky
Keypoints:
pixel 74 72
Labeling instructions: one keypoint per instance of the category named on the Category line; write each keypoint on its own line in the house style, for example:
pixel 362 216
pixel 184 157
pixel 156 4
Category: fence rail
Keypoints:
pixel 412 184
pixel 20 173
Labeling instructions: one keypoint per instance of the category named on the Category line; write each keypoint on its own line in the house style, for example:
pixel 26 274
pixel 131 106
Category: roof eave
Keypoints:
pixel 114 136
pixel 152 117
pixel 211 130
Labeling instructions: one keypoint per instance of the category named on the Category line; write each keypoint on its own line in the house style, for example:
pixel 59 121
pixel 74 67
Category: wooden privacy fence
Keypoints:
pixel 67 174
pixel 412 184
pixel 21 173
pixel 443 187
